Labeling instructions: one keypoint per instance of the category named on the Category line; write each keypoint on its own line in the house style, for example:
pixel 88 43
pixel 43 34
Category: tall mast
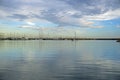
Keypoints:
pixel 75 35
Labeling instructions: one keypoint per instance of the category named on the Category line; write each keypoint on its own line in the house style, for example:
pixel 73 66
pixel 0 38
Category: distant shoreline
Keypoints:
pixel 118 39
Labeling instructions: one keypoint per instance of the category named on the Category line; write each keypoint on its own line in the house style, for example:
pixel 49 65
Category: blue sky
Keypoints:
pixel 88 18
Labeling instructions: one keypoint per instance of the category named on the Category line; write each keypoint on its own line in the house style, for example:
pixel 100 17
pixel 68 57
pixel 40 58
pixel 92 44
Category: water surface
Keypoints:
pixel 60 60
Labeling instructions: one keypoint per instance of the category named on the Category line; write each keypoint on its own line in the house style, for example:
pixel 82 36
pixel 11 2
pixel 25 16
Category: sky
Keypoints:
pixel 86 18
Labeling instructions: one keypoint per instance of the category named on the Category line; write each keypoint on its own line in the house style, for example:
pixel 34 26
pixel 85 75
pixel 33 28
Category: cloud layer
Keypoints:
pixel 77 13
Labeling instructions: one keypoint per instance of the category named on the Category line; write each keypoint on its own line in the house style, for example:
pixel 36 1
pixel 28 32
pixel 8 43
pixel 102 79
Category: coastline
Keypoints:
pixel 118 39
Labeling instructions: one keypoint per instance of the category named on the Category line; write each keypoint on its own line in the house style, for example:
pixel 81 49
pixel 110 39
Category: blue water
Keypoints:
pixel 60 60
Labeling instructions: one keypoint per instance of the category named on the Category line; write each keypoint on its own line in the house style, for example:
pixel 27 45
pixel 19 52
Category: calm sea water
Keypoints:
pixel 59 60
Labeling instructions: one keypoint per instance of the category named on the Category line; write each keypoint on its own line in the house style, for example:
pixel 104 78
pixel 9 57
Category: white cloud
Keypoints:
pixel 30 23
pixel 109 15
pixel 60 12
pixel 29 27
pixel 90 24
pixel 81 22
pixel 3 14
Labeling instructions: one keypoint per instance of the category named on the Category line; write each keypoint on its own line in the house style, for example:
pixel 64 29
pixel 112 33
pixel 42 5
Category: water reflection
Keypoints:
pixel 59 60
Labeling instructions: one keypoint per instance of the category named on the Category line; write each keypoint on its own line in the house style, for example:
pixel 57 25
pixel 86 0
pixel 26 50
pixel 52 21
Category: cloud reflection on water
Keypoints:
pixel 60 60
